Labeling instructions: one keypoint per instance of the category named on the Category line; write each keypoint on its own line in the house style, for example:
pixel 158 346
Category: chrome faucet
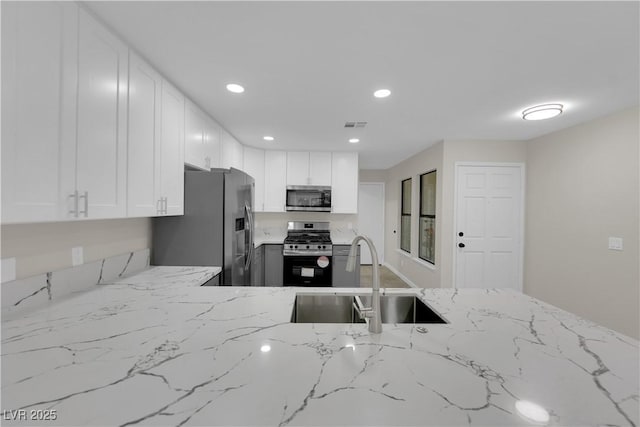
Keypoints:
pixel 373 312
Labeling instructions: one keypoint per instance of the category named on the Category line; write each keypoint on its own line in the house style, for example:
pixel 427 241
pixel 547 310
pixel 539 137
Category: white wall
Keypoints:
pixel 582 187
pixel 373 175
pixel 43 247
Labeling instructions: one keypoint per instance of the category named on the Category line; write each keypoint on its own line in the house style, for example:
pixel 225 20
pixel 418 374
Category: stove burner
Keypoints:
pixel 303 242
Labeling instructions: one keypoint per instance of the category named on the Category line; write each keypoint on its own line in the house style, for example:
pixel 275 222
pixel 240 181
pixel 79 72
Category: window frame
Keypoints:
pixel 423 215
pixel 402 214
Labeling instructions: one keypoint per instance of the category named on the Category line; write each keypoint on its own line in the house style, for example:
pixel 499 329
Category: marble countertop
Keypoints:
pixel 156 349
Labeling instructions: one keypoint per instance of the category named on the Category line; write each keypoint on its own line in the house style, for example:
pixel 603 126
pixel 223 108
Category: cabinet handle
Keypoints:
pixel 159 206
pixel 85 196
pixel 74 210
pixel 165 208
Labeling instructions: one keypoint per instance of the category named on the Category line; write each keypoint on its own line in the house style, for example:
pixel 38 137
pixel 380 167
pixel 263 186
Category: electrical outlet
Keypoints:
pixel 77 256
pixel 8 270
pixel 615 243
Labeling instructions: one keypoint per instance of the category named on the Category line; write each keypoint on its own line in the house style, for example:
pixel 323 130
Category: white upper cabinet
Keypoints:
pixel 344 188
pixel 143 139
pixel 194 153
pixel 320 168
pixel 254 165
pixel 297 168
pixel 275 180
pixel 33 38
pixel 171 196
pixel 101 121
pixel 305 168
pixel 232 152
pixel 211 140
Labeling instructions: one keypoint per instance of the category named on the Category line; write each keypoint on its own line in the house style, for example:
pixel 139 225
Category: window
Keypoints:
pixel 427 224
pixel 405 216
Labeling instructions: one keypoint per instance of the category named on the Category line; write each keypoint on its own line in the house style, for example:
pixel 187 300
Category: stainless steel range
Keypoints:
pixel 307 254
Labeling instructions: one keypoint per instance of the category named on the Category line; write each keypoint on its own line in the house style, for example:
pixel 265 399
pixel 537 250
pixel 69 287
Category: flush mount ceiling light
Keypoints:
pixel 268 138
pixel 235 88
pixel 265 348
pixel 532 412
pixel 541 112
pixel 382 93
pixel 354 140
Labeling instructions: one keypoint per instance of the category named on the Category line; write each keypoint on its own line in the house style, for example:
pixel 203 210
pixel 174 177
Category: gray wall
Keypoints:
pixel 43 247
pixel 582 187
pixel 410 266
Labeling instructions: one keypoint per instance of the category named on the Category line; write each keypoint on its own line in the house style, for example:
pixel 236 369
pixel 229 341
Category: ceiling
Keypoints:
pixel 457 70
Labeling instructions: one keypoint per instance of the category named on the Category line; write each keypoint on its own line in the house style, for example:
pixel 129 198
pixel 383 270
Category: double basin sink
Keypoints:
pixel 328 308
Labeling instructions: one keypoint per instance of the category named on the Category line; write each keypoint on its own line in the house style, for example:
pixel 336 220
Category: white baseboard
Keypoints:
pixel 400 275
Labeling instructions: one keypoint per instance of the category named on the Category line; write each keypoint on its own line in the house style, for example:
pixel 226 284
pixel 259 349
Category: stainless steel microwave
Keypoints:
pixel 310 198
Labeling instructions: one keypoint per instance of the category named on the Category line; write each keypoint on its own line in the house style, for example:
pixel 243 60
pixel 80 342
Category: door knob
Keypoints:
pixel 461 245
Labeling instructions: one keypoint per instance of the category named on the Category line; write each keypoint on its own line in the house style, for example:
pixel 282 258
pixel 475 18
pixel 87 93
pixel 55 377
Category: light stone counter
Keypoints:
pixel 160 350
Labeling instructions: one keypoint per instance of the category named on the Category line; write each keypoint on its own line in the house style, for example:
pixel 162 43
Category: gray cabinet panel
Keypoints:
pixel 273 265
pixel 257 272
pixel 341 277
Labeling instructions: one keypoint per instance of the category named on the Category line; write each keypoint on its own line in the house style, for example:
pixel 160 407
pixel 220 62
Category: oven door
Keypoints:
pixel 305 270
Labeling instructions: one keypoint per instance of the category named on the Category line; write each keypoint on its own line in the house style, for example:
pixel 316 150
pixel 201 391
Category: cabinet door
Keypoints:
pixel 273 265
pixel 172 150
pixel 143 178
pixel 211 140
pixel 344 183
pixel 257 272
pixel 194 136
pixel 275 180
pixel 254 166
pixel 320 168
pixel 341 277
pixel 232 152
pixel 102 121
pixel 297 168
pixel 32 53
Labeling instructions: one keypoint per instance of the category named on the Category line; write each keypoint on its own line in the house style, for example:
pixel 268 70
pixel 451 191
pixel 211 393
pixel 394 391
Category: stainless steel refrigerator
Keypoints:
pixel 216 228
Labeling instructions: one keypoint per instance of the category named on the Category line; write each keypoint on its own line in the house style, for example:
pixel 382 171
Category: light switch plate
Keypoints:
pixel 77 256
pixel 615 243
pixel 8 270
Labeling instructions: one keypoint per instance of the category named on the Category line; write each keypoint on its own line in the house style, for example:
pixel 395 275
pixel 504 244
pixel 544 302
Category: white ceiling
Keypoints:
pixel 457 70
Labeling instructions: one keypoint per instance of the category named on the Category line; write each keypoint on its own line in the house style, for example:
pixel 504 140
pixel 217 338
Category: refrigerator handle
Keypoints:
pixel 249 252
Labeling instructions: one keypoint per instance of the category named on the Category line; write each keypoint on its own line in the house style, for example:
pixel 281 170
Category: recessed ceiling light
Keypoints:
pixel 235 88
pixel 532 411
pixel 354 140
pixel 382 93
pixel 268 138
pixel 541 112
pixel 265 348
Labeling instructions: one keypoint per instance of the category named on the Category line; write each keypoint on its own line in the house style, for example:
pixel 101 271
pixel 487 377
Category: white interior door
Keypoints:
pixel 489 223
pixel 371 218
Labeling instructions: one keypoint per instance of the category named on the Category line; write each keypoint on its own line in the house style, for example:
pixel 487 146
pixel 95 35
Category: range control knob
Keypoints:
pixel 296 246
pixel 307 246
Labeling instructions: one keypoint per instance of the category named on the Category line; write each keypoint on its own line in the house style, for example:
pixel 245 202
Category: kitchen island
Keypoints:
pixel 157 349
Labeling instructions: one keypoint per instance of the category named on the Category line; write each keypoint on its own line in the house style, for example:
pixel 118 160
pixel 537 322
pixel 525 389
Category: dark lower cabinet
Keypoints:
pixel 257 269
pixel 341 277
pixel 273 265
